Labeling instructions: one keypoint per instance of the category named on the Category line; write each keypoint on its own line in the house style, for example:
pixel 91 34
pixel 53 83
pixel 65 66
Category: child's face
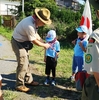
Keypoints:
pixel 91 40
pixel 81 34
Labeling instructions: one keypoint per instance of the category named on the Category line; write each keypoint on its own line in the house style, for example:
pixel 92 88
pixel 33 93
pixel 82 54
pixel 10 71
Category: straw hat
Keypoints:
pixel 95 4
pixel 44 15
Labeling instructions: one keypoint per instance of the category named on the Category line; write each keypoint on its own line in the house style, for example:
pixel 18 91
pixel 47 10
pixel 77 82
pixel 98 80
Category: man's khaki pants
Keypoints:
pixel 23 74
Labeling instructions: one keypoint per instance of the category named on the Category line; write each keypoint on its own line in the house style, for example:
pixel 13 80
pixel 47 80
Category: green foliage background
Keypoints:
pixel 65 20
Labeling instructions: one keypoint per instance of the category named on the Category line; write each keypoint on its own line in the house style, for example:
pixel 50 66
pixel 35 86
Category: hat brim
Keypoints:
pixel 45 22
pixel 94 4
pixel 49 39
pixel 79 29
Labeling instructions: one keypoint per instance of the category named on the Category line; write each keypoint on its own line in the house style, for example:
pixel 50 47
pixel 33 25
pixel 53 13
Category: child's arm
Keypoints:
pixel 82 47
pixel 56 55
pixel 74 41
pixel 57 50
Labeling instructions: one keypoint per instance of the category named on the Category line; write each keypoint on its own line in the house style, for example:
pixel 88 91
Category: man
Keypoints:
pixel 24 32
pixel 95 35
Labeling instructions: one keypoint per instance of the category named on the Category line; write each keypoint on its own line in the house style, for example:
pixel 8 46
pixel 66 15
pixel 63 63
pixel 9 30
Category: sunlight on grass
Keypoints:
pixel 6 32
pixel 64 61
pixel 9 95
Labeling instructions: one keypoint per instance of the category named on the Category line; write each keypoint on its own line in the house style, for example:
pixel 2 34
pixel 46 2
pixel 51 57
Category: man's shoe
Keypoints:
pixel 22 88
pixel 33 83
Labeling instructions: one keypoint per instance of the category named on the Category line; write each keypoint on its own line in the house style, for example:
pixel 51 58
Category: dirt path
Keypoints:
pixel 8 69
pixel 7 57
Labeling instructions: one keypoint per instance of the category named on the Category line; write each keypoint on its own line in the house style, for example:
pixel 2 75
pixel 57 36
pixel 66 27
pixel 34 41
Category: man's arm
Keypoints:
pixel 39 38
pixel 41 44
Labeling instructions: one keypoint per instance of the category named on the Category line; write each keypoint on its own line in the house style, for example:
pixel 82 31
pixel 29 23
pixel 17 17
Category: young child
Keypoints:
pixel 79 49
pixel 51 55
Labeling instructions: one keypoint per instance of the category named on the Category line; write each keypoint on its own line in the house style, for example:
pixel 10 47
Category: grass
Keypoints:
pixel 64 60
pixel 64 88
pixel 9 95
pixel 6 32
pixel 37 55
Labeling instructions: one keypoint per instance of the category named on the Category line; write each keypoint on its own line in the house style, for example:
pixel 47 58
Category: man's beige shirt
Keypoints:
pixel 25 30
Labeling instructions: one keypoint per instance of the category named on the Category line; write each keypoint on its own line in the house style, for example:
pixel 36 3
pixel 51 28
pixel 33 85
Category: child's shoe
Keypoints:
pixel 73 78
pixel 53 83
pixel 47 81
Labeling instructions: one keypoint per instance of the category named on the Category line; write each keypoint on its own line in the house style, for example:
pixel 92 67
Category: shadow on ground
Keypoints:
pixel 64 88
pixel 8 81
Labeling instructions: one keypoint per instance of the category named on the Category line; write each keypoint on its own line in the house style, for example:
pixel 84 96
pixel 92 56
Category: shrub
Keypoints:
pixel 64 20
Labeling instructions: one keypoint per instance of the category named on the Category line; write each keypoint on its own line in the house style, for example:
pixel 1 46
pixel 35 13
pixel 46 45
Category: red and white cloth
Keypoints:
pixel 86 18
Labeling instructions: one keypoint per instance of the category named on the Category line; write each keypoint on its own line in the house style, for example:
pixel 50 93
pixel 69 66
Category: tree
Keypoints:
pixel 65 20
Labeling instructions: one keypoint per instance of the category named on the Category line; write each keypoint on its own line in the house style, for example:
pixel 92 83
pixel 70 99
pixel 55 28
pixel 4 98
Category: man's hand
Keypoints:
pixel 47 45
pixel 41 44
